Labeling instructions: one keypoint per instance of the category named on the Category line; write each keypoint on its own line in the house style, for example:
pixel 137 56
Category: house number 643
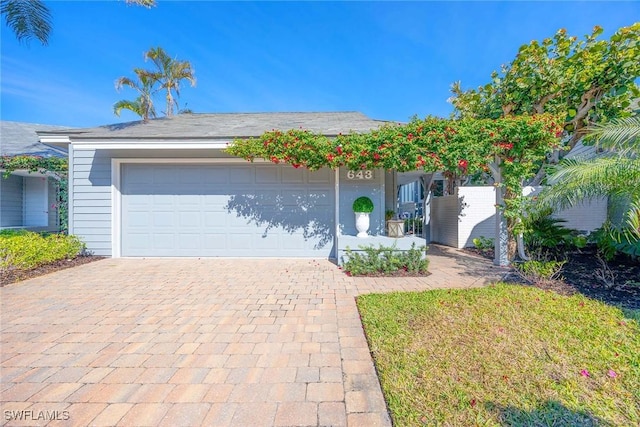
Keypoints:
pixel 360 175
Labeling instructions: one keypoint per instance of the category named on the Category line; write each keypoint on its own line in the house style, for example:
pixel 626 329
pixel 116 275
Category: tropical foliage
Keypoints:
pixel 615 175
pixel 583 80
pixel 31 19
pixel 143 84
pixel 458 147
pixel 166 76
pixel 169 73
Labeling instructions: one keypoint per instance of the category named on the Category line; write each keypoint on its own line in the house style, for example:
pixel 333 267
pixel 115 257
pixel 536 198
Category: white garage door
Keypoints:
pixel 226 210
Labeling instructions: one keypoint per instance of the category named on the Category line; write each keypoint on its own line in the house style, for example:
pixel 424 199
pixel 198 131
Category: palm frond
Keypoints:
pixel 169 72
pixel 125 104
pixel 573 181
pixel 145 3
pixel 139 106
pixel 28 19
pixel 621 135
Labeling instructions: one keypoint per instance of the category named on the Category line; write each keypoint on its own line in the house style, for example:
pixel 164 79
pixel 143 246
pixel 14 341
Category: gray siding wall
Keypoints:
pixel 351 189
pixel 91 199
pixel 11 201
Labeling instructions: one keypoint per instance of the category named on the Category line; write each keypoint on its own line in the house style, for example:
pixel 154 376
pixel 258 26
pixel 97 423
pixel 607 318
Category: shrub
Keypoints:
pixel 385 260
pixel 611 241
pixel 25 249
pixel 363 204
pixel 540 271
pixel 484 243
pixel 546 237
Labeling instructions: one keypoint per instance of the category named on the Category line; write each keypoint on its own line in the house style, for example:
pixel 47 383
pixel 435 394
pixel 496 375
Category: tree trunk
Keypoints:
pixel 169 104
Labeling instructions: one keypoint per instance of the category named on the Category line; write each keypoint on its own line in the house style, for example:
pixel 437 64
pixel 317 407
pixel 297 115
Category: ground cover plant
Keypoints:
pixel 26 250
pixel 386 261
pixel 503 355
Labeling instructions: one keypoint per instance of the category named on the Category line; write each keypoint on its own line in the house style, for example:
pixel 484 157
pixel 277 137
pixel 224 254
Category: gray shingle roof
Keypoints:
pixel 21 138
pixel 226 126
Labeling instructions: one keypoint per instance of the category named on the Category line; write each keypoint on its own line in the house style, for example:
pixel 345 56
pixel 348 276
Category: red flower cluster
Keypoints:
pixel 505 145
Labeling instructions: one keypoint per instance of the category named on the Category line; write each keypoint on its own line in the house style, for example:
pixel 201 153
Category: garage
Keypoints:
pixel 232 210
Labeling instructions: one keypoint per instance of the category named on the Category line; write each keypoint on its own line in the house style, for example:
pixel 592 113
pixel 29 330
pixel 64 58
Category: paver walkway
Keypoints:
pixel 189 342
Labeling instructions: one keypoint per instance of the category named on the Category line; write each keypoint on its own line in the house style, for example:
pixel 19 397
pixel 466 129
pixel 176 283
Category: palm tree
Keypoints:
pixel 170 72
pixel 615 175
pixel 143 104
pixel 136 106
pixel 29 19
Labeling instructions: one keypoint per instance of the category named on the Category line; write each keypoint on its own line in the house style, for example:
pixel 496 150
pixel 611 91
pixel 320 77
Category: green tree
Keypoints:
pixel 615 175
pixel 144 84
pixel 31 19
pixel 586 81
pixel 169 73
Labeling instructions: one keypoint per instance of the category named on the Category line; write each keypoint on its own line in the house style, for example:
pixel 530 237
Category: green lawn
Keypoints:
pixel 503 355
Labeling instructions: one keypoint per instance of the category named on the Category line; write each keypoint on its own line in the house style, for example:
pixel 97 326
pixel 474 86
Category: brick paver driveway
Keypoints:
pixel 187 342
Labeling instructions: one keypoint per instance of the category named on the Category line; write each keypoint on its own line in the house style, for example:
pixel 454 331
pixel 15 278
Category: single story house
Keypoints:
pixel 28 199
pixel 166 188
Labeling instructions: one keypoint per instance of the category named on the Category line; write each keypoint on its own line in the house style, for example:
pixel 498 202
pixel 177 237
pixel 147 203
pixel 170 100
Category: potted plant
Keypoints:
pixel 362 207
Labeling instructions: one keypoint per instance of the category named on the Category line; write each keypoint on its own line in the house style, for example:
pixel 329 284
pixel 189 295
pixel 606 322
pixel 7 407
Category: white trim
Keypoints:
pixel 27 173
pixel 70 188
pixel 116 211
pixel 191 160
pixel 150 145
pixel 54 139
pixel 336 210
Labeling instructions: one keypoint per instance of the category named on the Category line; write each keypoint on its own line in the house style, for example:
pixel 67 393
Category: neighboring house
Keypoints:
pixel 27 199
pixel 167 188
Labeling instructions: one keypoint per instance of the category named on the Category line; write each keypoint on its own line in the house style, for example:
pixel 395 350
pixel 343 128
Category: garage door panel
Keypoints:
pixel 266 242
pixel 267 175
pixel 190 176
pixel 159 219
pixel 213 176
pixel 190 219
pixel 188 240
pixel 293 176
pixel 188 199
pixel 138 241
pixel 241 241
pixel 243 175
pixel 162 175
pixel 322 176
pixel 223 210
pixel 215 240
pixel 162 240
pixel 322 198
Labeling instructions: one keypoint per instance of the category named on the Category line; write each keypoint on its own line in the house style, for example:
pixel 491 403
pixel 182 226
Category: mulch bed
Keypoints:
pixel 399 273
pixel 581 275
pixel 13 276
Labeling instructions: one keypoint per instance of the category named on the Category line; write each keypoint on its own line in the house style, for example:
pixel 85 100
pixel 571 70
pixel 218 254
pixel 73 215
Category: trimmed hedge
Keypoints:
pixel 23 250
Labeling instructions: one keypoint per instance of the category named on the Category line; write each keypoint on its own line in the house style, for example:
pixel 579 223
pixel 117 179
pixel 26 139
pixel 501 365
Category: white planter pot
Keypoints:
pixel 362 224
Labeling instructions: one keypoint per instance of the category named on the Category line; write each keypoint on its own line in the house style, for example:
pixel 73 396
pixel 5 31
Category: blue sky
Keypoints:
pixel 389 60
